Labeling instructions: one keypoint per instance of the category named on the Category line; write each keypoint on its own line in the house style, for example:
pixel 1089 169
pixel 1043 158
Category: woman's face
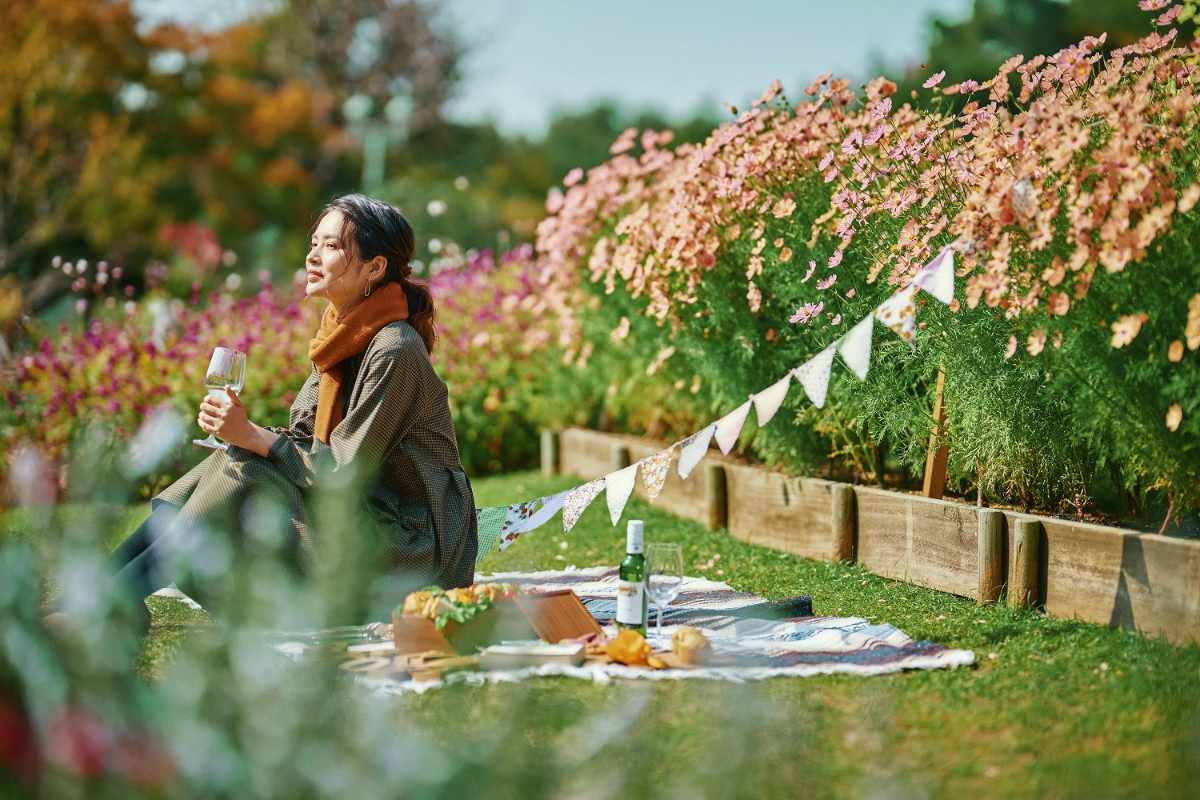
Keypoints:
pixel 333 272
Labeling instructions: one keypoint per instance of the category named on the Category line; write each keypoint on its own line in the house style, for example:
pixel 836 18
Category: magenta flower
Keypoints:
pixel 827 281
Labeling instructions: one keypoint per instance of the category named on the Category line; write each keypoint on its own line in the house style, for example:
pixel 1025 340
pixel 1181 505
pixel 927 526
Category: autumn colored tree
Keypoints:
pixel 113 136
pixel 75 171
pixel 377 48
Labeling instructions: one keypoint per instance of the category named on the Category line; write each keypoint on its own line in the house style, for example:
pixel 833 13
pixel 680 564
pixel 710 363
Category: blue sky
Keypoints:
pixel 531 57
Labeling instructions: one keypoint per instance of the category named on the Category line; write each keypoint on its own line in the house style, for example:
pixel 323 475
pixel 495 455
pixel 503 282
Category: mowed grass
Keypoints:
pixel 1053 707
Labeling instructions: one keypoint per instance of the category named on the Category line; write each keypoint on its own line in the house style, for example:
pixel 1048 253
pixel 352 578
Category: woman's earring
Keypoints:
pixel 367 291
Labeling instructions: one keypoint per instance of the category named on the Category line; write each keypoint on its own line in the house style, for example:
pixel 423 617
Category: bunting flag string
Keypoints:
pixel 617 488
pixel 897 312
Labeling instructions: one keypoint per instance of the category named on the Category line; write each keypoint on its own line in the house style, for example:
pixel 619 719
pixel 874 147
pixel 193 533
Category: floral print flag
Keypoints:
pixel 618 486
pixel 814 376
pixel 899 314
pixel 526 516
pixel 855 347
pixel 577 501
pixel 937 277
pixel 693 449
pixel 729 427
pixel 768 401
pixel 654 471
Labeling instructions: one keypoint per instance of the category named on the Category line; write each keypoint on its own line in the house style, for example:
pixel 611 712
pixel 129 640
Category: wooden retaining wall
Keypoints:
pixel 1095 573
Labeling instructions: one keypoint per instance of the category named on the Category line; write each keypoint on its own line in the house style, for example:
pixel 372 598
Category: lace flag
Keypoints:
pixel 814 376
pixel 577 501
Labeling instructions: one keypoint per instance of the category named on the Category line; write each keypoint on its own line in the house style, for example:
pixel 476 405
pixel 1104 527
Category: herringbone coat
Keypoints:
pixel 397 416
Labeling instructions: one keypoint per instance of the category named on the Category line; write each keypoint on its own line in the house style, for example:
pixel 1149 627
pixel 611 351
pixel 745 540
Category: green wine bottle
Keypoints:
pixel 631 586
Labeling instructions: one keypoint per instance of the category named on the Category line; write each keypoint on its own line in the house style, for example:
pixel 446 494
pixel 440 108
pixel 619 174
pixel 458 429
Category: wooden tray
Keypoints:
pixel 551 616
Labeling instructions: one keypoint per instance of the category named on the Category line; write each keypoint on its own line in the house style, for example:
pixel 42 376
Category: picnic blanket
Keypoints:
pixel 798 646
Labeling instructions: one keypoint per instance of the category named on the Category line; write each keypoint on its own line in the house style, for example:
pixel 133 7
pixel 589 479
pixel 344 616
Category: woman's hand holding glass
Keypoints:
pixel 221 411
pixel 226 417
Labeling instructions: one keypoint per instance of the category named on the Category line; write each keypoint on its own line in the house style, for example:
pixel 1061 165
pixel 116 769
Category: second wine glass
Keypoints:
pixel 226 367
pixel 664 575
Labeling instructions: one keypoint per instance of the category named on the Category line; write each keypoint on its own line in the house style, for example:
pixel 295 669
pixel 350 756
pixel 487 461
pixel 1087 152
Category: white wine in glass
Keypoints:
pixel 226 367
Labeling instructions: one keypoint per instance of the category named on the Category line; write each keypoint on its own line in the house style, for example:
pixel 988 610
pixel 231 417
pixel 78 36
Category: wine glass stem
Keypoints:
pixel 660 610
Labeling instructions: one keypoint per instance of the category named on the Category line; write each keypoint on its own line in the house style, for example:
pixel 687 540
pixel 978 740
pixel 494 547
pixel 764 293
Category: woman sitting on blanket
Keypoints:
pixel 372 400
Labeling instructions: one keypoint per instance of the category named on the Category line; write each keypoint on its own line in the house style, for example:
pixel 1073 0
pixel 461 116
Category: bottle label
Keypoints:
pixel 630 603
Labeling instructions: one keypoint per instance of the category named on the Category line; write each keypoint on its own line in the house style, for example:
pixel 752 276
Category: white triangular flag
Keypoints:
pixel 937 277
pixel 768 401
pixel 730 426
pixel 693 449
pixel 814 376
pixel 577 501
pixel 618 486
pixel 855 347
pixel 899 314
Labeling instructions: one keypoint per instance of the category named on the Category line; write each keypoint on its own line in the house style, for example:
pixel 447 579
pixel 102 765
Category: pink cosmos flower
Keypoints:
pixel 624 142
pixel 573 177
pixel 805 313
pixel 827 281
pixel 812 267
pixel 770 93
pixel 881 109
pixel 934 79
pixel 1167 17
pixel 836 258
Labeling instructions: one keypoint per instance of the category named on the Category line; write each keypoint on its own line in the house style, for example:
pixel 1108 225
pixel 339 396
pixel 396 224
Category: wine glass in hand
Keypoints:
pixel 226 367
pixel 664 575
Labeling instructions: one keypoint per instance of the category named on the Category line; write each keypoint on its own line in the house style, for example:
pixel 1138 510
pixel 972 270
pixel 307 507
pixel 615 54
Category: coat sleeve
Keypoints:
pixel 303 412
pixel 383 412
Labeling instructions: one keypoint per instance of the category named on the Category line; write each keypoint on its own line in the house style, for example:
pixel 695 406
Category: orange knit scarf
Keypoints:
pixel 338 339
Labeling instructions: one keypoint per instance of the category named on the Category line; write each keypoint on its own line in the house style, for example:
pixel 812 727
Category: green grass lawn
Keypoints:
pixel 1053 707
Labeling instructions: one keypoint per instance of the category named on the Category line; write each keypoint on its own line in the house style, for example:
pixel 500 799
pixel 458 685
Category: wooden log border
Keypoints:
pixel 1073 570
